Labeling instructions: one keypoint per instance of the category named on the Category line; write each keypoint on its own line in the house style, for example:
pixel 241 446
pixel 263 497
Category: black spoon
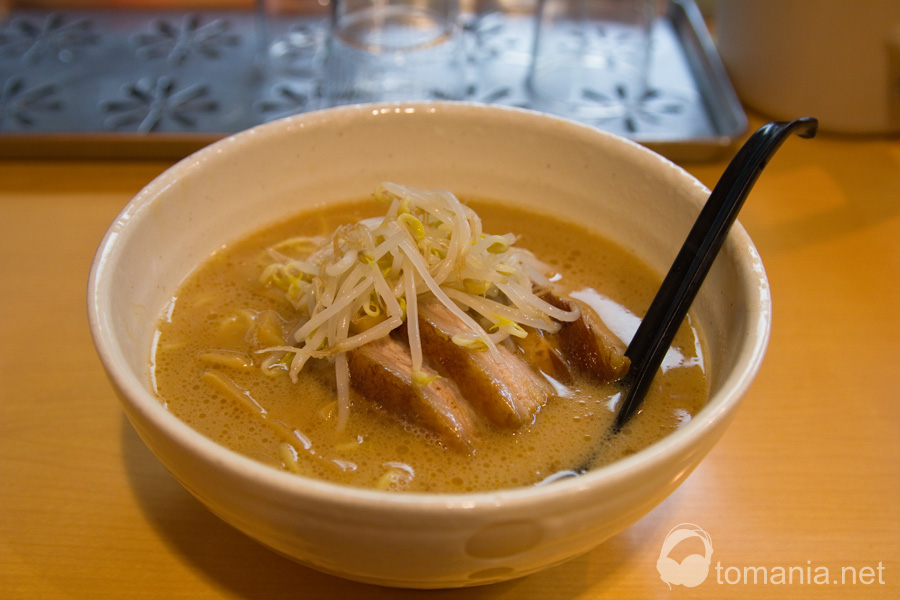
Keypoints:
pixel 653 337
pixel 679 288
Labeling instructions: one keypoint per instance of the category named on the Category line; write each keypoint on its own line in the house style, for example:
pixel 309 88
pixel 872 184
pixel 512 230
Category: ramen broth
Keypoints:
pixel 204 368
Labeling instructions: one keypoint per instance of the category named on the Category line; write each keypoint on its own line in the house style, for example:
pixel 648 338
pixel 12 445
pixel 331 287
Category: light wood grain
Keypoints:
pixel 808 475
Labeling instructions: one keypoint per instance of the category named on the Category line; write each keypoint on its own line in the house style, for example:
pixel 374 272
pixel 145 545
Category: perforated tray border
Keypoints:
pixel 164 83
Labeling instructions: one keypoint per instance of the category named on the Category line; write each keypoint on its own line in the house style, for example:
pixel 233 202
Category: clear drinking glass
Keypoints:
pixel 393 50
pixel 591 57
pixel 504 40
pixel 293 35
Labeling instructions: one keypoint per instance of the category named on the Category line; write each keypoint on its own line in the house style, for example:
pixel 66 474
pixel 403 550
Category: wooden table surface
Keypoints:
pixel 800 498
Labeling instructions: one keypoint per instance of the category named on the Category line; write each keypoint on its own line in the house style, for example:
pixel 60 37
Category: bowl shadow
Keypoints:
pixel 247 569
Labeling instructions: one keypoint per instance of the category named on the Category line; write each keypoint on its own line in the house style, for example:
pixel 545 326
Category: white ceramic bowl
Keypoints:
pixel 416 540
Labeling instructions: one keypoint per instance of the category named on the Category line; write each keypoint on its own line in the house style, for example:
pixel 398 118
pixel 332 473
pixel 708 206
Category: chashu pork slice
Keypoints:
pixel 382 372
pixel 507 392
pixel 541 350
pixel 588 344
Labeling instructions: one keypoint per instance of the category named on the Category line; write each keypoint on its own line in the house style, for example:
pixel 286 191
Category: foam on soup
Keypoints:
pixel 205 369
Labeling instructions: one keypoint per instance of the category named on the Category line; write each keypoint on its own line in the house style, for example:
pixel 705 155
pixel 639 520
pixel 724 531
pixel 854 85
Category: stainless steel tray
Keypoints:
pixel 164 83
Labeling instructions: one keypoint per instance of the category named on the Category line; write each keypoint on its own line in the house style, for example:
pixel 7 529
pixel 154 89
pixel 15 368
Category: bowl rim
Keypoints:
pixel 135 395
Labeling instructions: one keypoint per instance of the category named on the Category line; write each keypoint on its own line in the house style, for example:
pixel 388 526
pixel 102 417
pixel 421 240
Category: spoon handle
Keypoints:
pixel 679 288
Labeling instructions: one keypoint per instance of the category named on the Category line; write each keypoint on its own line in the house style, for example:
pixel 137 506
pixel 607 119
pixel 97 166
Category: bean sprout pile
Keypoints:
pixel 365 281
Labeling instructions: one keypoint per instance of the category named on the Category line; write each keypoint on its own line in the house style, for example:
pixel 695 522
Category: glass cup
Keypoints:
pixel 293 34
pixel 504 40
pixel 591 57
pixel 393 50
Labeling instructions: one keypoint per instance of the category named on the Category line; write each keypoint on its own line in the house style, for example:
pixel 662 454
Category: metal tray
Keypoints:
pixel 162 84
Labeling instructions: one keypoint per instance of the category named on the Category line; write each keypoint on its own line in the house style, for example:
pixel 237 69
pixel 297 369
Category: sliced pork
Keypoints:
pixel 507 391
pixel 588 344
pixel 542 351
pixel 382 372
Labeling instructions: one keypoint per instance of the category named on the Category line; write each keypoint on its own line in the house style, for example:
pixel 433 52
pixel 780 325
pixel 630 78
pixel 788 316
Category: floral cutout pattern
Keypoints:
pixel 32 39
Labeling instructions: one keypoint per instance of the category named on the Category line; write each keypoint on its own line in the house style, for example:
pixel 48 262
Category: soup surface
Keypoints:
pixel 205 369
